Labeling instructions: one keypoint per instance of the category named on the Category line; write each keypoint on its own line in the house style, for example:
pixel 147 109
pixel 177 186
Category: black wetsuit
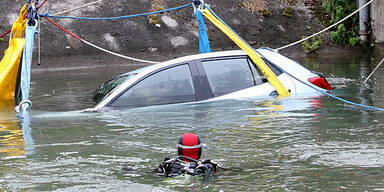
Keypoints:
pixel 177 166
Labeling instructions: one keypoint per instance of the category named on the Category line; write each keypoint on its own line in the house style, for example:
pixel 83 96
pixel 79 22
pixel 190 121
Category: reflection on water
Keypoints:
pixel 11 139
pixel 274 144
pixel 15 139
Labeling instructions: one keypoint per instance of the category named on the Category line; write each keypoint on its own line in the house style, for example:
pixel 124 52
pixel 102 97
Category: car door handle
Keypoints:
pixel 264 80
pixel 274 93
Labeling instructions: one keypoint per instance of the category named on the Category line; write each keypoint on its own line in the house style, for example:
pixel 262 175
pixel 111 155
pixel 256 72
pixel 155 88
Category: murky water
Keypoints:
pixel 290 144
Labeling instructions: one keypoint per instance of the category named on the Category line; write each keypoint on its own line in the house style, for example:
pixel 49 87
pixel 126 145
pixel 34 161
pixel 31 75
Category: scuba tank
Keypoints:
pixel 188 161
pixel 177 166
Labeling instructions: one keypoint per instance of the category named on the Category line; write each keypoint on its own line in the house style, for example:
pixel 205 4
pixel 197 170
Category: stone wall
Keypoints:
pixel 377 15
pixel 271 23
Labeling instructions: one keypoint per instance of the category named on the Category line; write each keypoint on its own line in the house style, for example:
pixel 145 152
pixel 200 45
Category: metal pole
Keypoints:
pixel 363 20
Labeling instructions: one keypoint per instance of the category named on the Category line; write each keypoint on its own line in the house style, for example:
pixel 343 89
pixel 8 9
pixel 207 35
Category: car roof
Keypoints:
pixel 193 57
pixel 185 59
pixel 207 55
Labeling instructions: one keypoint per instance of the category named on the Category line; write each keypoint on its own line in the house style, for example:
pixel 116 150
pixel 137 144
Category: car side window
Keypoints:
pixel 229 75
pixel 173 85
pixel 259 77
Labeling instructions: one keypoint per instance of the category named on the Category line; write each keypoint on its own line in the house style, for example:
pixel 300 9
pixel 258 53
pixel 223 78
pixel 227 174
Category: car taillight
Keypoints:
pixel 320 82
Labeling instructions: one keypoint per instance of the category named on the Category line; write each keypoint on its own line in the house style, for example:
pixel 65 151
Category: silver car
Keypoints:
pixel 205 77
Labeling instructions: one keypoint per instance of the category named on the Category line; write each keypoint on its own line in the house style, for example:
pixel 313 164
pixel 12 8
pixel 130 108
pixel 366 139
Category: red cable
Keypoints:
pixel 42 4
pixel 97 47
pixel 1 36
pixel 55 24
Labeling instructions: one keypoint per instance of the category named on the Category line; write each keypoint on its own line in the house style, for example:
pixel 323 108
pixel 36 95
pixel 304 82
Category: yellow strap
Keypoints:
pixel 10 63
pixel 18 27
pixel 267 72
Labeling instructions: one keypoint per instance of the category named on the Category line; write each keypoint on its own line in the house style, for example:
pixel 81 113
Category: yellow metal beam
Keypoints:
pixel 267 72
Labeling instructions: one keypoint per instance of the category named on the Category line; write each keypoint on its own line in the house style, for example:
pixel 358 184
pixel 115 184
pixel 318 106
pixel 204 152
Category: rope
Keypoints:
pixel 369 76
pixel 326 29
pixel 76 8
pixel 338 98
pixel 325 93
pixel 42 4
pixel 39 44
pixel 114 18
pixel 97 47
pixel 1 36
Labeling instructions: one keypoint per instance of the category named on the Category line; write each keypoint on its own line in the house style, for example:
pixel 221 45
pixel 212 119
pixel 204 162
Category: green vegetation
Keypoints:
pixel 266 13
pixel 312 46
pixel 157 5
pixel 1 40
pixel 332 11
pixel 287 12
pixel 348 31
pixel 154 19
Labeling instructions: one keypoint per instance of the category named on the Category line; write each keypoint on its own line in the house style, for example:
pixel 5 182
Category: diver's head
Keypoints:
pixel 189 146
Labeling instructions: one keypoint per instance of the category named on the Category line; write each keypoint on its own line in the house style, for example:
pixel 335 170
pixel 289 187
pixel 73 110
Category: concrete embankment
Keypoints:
pixel 262 23
pixel 377 15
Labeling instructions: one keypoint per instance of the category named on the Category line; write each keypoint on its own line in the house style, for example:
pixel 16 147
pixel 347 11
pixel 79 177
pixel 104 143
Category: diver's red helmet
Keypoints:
pixel 189 146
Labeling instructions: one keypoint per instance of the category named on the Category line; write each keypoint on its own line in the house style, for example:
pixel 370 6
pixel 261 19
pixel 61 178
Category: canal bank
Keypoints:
pixel 259 22
pixel 173 34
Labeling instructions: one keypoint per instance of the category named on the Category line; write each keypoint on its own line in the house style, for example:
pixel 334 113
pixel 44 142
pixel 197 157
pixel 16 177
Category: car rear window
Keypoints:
pixel 108 86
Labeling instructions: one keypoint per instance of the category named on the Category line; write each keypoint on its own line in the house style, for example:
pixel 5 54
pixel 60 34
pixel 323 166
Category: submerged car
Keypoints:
pixel 204 77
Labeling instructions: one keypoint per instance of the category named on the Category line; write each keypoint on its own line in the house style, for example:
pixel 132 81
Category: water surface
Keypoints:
pixel 289 144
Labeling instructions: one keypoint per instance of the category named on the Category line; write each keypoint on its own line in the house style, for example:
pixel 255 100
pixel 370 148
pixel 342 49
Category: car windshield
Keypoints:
pixel 108 86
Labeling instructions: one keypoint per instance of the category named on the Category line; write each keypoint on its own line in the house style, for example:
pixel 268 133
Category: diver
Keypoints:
pixel 188 161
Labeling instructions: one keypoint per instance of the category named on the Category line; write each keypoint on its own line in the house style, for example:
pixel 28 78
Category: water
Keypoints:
pixel 290 144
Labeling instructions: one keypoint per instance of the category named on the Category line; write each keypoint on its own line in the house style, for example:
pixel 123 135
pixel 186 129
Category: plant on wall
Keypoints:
pixel 311 46
pixel 347 32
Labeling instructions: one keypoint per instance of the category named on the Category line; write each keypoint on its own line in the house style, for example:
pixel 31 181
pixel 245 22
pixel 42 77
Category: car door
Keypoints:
pixel 168 85
pixel 225 75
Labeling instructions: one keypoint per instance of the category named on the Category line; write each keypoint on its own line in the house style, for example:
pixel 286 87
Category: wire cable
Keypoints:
pixel 324 92
pixel 1 36
pixel 41 4
pixel 114 18
pixel 97 47
pixel 369 76
pixel 76 8
pixel 326 29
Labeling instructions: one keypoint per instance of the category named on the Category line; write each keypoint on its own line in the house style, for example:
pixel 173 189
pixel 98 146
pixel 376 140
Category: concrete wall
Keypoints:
pixel 377 15
pixel 271 23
